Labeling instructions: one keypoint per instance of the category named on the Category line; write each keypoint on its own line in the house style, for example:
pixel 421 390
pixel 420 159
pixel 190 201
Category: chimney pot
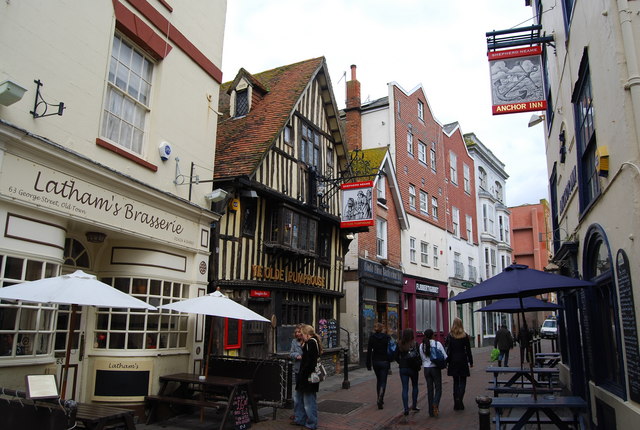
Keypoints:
pixel 353 72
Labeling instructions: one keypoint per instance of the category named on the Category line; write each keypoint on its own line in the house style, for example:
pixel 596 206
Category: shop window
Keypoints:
pixel 137 329
pixel 296 309
pixel 128 95
pixel 426 314
pixel 605 325
pixel 232 333
pixel 27 329
pixel 293 230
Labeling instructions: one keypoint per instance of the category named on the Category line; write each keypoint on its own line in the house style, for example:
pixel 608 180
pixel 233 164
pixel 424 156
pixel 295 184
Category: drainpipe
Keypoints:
pixel 629 46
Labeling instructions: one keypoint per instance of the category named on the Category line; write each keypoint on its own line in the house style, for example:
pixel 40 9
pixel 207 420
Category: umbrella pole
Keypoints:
pixel 65 369
pixel 206 359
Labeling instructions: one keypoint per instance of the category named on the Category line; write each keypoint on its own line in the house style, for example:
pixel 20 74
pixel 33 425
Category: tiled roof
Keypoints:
pixel 241 143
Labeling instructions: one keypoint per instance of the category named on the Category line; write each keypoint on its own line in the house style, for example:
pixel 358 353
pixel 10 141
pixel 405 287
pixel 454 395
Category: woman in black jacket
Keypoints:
pixel 409 368
pixel 378 358
pixel 311 351
pixel 460 359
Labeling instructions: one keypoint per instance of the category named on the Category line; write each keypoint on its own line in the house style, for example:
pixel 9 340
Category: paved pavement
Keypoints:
pixel 356 408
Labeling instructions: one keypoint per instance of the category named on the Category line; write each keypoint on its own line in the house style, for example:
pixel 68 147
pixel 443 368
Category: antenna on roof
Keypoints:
pixel 344 76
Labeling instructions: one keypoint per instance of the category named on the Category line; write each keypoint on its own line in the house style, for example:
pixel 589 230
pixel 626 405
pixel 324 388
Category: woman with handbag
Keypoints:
pixel 432 371
pixel 378 358
pixel 458 349
pixel 311 351
pixel 410 363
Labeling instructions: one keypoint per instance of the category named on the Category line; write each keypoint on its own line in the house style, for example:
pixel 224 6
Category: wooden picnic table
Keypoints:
pixel 547 359
pixel 523 380
pixel 212 391
pixel 548 406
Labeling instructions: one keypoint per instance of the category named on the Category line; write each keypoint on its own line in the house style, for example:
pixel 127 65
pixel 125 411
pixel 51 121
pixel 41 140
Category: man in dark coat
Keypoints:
pixel 504 342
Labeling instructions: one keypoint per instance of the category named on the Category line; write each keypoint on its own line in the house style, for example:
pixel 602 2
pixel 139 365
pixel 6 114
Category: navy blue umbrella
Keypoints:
pixel 518 280
pixel 513 305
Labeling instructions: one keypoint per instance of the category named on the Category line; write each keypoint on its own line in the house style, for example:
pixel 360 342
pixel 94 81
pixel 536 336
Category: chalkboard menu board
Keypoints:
pixel 332 333
pixel 111 383
pixel 629 327
pixel 240 411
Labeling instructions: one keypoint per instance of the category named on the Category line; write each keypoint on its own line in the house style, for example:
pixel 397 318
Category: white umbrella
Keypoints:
pixel 75 289
pixel 215 304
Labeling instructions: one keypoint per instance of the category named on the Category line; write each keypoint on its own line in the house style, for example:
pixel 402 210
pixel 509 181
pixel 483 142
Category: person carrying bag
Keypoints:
pixel 434 359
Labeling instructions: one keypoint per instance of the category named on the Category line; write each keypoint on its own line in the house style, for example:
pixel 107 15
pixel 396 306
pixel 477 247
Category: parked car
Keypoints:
pixel 549 329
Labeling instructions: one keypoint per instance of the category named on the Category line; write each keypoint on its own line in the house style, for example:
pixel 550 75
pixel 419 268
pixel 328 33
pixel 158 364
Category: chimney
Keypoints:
pixel 353 115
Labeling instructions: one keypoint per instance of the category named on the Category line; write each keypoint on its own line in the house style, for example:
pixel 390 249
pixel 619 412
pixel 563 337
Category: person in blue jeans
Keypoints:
pixel 378 358
pixel 311 351
pixel 408 369
pixel 295 352
pixel 432 374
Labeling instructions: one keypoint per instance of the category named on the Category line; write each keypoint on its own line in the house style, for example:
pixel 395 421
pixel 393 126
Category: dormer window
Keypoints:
pixel 242 102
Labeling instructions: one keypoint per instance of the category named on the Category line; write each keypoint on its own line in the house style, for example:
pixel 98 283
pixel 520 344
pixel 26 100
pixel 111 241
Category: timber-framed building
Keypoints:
pixel 279 249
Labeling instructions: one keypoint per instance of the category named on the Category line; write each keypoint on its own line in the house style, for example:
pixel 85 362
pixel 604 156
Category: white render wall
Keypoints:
pixel 66 44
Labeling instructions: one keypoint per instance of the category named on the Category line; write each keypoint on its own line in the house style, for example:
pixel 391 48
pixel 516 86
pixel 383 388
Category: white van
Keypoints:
pixel 549 329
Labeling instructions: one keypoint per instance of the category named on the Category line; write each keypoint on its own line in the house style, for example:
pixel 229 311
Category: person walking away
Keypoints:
pixel 295 352
pixel 504 342
pixel 458 349
pixel 378 358
pixel 405 352
pixel 311 350
pixel 432 373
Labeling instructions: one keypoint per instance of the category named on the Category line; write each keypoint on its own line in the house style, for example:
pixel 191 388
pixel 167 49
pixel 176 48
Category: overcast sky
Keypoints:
pixel 439 44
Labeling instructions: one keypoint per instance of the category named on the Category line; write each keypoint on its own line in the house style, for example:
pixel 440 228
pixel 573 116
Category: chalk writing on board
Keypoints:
pixel 240 408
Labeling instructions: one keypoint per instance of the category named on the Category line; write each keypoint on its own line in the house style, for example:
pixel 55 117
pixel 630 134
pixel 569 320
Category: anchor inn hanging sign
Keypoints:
pixel 517 84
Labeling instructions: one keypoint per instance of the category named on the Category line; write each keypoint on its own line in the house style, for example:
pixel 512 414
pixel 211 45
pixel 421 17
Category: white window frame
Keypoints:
pixel 29 328
pixel 467 178
pixel 412 250
pixel 409 142
pixel 453 167
pixel 381 187
pixel 124 329
pixel 435 256
pixel 422 152
pixel 469 226
pixel 434 161
pixel 128 96
pixel 434 207
pixel 482 176
pixel 455 221
pixel 381 238
pixel 420 110
pixel 424 253
pixel 412 196
pixel 424 202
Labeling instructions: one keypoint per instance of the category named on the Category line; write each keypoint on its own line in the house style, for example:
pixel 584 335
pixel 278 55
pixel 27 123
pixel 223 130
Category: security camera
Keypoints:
pixel 216 195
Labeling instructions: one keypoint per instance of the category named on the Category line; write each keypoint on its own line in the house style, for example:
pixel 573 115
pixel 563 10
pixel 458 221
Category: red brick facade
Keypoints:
pixel 412 171
pixel 457 195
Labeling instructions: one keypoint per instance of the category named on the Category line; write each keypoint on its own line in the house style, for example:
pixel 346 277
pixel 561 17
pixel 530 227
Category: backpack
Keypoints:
pixel 414 361
pixel 391 349
pixel 437 357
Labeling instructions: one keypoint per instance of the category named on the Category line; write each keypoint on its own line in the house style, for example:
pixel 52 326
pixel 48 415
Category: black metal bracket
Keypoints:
pixel 41 102
pixel 517 37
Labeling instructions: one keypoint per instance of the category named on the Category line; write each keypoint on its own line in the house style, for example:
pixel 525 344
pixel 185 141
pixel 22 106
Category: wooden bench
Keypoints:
pixel 184 401
pixel 542 420
pixel 523 390
pixel 97 417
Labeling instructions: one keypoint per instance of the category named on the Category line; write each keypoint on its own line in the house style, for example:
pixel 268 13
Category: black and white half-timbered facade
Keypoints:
pixel 278 247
